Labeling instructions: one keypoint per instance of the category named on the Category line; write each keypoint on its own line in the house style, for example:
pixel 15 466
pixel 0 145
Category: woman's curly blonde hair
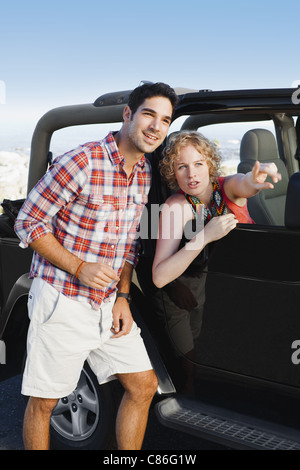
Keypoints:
pixel 204 146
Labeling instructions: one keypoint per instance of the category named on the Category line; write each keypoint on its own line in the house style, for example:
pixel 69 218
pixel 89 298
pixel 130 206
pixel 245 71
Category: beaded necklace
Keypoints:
pixel 217 204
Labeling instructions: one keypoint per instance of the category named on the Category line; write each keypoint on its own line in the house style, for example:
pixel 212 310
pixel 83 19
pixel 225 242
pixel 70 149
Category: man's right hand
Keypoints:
pixel 97 275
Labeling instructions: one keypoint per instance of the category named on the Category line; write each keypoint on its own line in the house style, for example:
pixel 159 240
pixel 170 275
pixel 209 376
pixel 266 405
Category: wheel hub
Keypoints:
pixel 75 416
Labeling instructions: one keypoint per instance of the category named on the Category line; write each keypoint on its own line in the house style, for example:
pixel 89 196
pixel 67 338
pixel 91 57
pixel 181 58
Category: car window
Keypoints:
pixel 69 138
pixel 228 136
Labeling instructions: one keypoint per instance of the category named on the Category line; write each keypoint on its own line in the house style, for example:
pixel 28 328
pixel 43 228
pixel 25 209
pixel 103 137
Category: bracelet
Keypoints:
pixel 79 268
pixel 126 296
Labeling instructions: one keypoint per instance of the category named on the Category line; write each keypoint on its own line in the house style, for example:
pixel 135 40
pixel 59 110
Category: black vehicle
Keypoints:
pixel 240 386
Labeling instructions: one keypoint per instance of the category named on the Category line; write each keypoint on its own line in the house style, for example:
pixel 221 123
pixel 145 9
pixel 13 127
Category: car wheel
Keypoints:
pixel 85 419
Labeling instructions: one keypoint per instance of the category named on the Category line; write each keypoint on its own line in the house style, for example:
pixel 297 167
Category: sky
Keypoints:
pixel 62 52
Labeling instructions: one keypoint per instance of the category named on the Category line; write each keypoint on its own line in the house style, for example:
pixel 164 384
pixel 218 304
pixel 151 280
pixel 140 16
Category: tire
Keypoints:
pixel 85 420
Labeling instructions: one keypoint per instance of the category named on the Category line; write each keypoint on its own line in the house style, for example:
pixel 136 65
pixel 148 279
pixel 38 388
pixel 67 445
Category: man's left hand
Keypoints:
pixel 122 318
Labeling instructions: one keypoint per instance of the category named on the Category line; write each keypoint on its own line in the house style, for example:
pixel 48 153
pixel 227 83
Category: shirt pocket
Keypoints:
pixel 96 210
pixel 135 206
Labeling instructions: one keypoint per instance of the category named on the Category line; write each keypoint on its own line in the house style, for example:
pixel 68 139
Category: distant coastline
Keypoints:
pixel 13 173
pixel 14 162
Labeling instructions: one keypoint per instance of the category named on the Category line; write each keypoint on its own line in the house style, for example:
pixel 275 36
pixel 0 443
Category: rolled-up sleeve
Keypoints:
pixel 133 255
pixel 63 181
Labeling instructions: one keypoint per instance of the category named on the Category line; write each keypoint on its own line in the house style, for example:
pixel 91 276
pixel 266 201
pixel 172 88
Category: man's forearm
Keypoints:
pixel 49 248
pixel 125 278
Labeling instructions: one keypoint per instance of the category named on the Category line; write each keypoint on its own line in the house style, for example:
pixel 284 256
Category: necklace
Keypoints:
pixel 217 204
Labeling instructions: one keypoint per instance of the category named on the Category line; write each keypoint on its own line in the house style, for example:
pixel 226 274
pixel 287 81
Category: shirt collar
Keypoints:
pixel 114 153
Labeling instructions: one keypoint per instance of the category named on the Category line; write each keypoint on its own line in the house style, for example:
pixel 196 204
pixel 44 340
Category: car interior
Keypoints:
pixel 259 143
pixel 267 207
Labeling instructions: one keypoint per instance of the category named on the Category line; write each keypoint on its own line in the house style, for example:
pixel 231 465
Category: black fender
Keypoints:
pixel 13 328
pixel 20 289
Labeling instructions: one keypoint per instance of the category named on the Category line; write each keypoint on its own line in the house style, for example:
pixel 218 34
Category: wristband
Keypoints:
pixel 126 296
pixel 79 268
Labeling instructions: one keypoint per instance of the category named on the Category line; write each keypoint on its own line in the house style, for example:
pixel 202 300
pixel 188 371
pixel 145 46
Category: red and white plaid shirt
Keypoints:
pixel 90 206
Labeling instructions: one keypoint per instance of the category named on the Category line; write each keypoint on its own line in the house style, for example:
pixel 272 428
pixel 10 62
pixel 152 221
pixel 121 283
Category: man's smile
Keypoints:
pixel 150 136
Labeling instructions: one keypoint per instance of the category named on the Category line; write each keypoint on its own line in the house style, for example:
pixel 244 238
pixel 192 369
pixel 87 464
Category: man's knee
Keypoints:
pixel 151 384
pixel 142 386
pixel 41 405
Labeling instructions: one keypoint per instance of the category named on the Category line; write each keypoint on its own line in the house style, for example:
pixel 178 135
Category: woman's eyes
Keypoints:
pixel 185 166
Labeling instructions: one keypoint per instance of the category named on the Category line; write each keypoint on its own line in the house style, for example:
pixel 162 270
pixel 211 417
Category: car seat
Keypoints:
pixel 268 206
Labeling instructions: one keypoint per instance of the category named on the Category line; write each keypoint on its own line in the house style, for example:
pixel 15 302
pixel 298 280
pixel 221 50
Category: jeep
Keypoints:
pixel 239 386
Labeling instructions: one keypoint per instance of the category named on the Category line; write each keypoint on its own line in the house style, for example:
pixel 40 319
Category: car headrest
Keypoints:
pixel 258 144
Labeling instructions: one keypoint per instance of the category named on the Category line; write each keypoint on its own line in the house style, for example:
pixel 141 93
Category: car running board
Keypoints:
pixel 235 431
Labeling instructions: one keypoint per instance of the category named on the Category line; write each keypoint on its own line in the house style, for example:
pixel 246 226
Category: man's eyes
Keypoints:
pixel 165 120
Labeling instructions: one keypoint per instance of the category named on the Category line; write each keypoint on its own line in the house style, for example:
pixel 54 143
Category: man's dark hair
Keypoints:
pixel 149 90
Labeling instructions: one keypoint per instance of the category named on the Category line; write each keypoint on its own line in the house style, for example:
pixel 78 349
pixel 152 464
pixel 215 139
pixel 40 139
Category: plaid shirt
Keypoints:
pixel 90 206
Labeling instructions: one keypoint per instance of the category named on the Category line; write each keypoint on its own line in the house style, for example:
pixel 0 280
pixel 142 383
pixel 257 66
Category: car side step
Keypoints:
pixel 235 431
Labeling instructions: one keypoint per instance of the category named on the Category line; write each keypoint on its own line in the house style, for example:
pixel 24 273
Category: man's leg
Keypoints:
pixel 132 416
pixel 36 426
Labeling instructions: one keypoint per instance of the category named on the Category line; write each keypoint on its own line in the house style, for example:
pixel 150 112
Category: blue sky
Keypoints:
pixel 64 52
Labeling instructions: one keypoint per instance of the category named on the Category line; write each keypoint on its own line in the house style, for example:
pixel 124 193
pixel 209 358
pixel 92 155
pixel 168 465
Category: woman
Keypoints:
pixel 192 164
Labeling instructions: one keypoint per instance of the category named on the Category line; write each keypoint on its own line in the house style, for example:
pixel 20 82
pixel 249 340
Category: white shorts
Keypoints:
pixel 63 333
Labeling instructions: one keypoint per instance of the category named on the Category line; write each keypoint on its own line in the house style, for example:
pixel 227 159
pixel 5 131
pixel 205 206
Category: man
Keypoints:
pixel 81 221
